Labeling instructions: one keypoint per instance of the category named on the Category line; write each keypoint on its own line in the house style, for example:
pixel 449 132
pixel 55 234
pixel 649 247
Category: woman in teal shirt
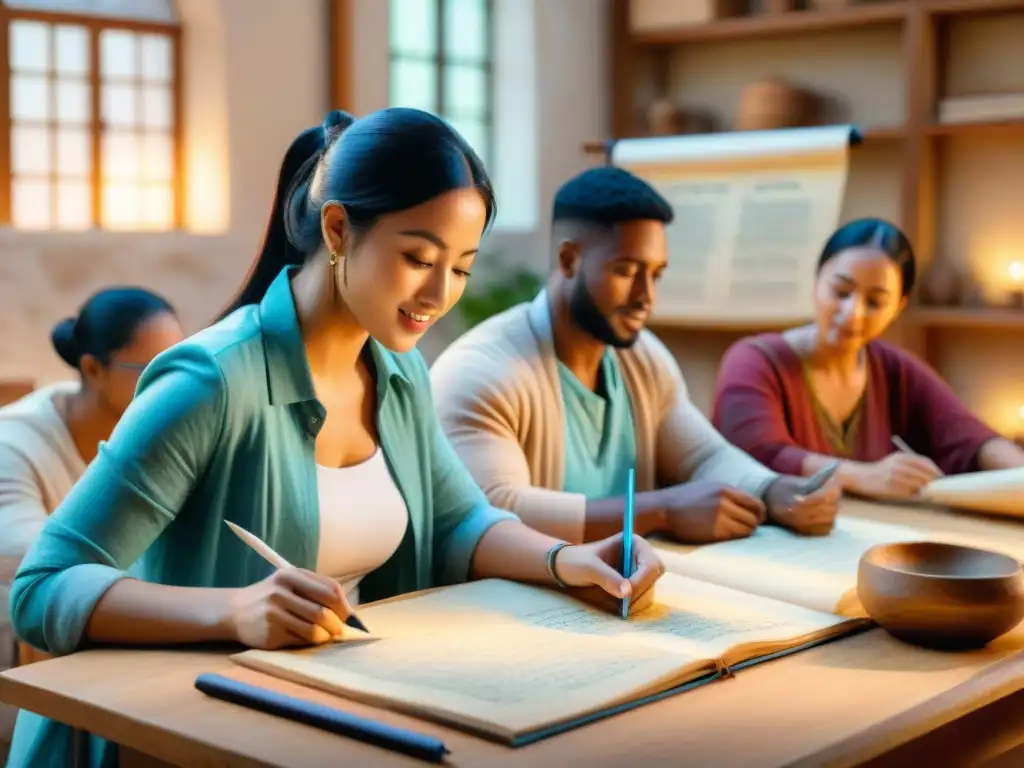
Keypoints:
pixel 256 420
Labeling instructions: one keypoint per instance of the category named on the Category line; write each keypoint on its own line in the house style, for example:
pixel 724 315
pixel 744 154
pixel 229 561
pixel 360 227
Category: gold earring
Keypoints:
pixel 334 259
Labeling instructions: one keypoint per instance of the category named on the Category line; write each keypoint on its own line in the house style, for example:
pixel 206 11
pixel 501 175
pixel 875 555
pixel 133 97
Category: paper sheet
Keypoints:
pixel 818 572
pixel 498 653
pixel 998 491
pixel 752 212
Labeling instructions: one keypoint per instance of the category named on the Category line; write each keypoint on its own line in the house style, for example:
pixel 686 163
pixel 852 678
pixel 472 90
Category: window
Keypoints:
pixel 441 62
pixel 92 115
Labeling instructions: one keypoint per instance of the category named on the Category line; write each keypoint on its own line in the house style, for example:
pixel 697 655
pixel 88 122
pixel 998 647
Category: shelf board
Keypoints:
pixel 965 317
pixel 972 7
pixel 721 325
pixel 924 317
pixel 982 126
pixel 775 25
pixel 885 133
pixel 801 22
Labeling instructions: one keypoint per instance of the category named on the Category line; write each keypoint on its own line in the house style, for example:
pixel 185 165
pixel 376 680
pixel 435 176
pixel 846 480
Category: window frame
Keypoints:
pixel 440 61
pixel 94 24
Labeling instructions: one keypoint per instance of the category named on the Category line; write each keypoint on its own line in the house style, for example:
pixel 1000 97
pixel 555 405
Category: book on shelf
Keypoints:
pixel 516 663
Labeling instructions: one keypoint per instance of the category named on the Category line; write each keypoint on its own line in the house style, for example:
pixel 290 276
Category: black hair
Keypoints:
pixel 389 161
pixel 607 196
pixel 878 234
pixel 106 323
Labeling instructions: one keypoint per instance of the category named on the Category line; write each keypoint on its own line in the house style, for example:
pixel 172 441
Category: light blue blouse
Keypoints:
pixel 223 427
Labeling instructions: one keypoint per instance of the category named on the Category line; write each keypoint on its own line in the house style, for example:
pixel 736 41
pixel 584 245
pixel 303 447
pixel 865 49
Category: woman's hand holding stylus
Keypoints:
pixel 290 607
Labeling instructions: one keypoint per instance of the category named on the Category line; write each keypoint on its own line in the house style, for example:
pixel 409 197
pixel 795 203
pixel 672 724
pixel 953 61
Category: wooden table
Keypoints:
pixel 864 700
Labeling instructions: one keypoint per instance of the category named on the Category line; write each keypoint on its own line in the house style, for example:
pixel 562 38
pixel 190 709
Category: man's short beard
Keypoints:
pixel 588 318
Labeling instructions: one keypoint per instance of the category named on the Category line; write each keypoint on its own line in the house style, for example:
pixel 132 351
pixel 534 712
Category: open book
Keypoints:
pixel 815 572
pixel 516 663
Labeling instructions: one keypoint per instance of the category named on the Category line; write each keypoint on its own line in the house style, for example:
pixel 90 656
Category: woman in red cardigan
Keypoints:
pixel 797 400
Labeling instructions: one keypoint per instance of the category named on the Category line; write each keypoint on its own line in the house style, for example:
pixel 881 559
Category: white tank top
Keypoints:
pixel 363 519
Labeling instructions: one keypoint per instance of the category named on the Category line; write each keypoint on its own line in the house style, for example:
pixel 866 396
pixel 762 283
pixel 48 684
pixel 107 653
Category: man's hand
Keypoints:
pixel 805 506
pixel 701 512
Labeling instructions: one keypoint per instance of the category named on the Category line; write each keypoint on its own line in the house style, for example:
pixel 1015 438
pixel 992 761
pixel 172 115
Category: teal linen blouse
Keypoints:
pixel 223 427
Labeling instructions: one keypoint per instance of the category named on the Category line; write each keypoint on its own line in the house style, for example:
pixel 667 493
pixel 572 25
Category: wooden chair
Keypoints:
pixel 27 654
pixel 13 389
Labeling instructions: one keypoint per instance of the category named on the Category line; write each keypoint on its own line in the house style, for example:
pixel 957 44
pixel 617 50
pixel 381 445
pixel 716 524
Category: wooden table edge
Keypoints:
pixel 982 689
pixel 985 687
pixel 102 721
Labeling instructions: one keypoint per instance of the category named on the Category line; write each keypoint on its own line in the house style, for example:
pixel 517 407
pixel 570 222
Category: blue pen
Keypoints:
pixel 627 538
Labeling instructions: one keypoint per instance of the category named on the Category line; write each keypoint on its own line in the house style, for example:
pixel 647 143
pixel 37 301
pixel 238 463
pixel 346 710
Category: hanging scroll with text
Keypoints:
pixel 752 212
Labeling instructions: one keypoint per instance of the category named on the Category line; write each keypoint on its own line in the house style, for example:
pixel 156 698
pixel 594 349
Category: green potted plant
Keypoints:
pixel 503 290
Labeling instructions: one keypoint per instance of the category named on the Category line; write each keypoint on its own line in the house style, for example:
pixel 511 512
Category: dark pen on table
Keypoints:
pixel 325 718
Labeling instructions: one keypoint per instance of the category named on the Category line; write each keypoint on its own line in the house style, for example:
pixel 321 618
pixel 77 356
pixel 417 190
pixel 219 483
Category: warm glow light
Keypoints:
pixel 1017 272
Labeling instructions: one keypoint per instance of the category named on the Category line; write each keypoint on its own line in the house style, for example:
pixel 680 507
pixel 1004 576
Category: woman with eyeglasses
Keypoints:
pixel 48 437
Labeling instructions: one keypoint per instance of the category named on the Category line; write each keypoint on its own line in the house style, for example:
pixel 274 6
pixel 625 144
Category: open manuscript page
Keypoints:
pixel 506 659
pixel 817 572
pixel 999 491
pixel 752 211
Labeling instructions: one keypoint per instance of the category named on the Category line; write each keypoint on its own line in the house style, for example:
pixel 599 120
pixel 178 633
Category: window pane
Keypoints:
pixel 30 46
pixel 118 53
pixel 413 27
pixel 73 102
pixel 158 207
pixel 30 97
pixel 74 205
pixel 30 150
pixel 465 92
pixel 74 152
pixel 121 206
pixel 121 156
pixel 477 134
pixel 156 106
pixel 156 58
pixel 466 32
pixel 414 84
pixel 72 50
pixel 147 10
pixel 158 157
pixel 30 204
pixel 120 105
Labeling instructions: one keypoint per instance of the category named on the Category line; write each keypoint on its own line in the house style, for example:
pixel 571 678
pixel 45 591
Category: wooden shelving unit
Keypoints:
pixel 773 25
pixel 917 52
pixel 967 318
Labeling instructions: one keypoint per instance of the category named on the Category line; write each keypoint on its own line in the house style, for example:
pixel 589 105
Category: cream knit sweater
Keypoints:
pixel 38 466
pixel 500 402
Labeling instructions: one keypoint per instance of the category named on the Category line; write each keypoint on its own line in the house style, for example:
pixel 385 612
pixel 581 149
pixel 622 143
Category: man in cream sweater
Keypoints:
pixel 550 403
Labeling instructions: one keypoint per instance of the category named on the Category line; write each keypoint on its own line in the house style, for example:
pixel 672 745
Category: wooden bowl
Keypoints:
pixel 941 596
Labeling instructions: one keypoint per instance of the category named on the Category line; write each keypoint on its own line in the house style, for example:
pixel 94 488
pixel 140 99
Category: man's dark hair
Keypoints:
pixel 607 196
